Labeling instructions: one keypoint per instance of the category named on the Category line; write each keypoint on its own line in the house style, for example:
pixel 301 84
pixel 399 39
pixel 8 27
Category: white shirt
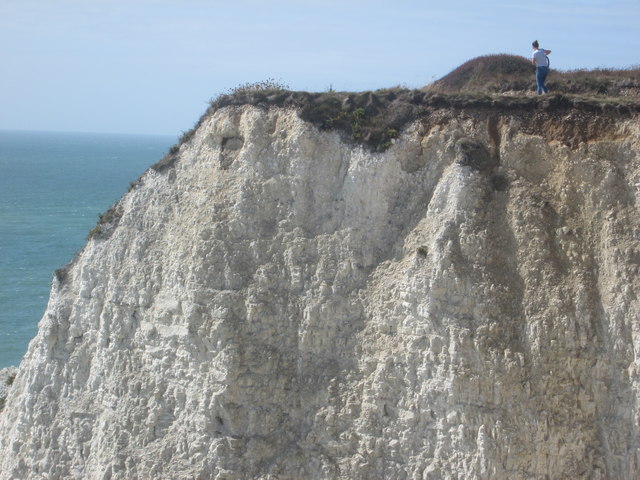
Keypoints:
pixel 540 57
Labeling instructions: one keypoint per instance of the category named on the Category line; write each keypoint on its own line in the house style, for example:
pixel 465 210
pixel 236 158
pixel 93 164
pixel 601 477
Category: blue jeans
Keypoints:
pixel 541 76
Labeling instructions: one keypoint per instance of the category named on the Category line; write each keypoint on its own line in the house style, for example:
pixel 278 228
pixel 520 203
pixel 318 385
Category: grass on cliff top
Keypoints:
pixel 502 73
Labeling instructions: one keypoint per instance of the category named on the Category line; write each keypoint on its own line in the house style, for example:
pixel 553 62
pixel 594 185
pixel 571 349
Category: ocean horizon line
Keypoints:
pixel 73 132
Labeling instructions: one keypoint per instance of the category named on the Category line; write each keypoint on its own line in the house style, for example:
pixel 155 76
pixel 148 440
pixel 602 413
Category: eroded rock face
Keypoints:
pixel 278 304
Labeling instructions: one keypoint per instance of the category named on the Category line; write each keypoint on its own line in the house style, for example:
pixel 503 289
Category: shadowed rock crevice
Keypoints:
pixel 471 153
pixel 229 150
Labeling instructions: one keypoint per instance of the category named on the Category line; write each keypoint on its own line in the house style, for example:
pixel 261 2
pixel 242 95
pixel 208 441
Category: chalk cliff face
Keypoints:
pixel 279 303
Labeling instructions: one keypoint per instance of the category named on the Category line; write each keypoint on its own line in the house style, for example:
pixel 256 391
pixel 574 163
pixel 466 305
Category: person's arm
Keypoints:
pixel 547 52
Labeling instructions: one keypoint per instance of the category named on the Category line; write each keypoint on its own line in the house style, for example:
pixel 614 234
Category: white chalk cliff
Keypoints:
pixel 280 303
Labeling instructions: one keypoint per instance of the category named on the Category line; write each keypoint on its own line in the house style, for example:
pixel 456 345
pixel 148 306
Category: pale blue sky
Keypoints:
pixel 151 66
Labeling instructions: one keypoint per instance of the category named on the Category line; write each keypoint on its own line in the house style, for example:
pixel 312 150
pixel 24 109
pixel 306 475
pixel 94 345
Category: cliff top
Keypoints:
pixel 483 86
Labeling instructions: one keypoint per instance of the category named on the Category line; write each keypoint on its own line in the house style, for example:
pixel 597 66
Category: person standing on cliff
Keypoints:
pixel 540 60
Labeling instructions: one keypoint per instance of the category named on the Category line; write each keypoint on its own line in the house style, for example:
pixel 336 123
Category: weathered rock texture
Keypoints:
pixel 278 303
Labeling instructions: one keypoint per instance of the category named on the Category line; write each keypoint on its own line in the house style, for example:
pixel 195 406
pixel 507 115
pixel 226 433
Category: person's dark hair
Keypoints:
pixel 535 44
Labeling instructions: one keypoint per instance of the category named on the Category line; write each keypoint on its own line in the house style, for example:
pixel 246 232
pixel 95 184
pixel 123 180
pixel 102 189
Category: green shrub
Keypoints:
pixel 357 122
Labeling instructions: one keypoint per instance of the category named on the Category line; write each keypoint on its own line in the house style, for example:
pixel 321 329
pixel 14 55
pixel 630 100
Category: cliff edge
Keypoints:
pixel 398 285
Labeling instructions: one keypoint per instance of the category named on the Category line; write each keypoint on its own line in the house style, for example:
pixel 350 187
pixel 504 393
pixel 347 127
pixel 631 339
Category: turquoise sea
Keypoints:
pixel 53 186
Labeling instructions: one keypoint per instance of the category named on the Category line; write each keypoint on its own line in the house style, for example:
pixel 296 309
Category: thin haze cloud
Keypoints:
pixel 150 66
